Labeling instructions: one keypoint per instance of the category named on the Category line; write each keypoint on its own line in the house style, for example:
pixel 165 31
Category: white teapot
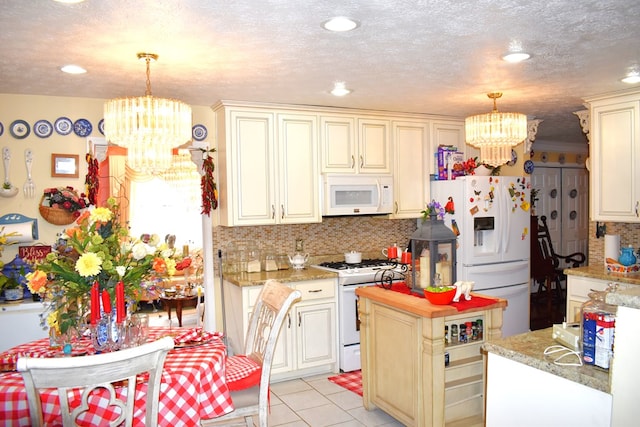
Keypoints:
pixel 298 260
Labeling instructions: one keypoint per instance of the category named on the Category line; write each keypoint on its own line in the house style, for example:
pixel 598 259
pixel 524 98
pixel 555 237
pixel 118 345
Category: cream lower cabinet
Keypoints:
pixel 307 344
pixel 403 364
pixel 615 158
pixel 412 164
pixel 268 166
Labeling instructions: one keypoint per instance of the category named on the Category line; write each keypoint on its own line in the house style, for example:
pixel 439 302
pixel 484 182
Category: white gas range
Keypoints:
pixel 369 272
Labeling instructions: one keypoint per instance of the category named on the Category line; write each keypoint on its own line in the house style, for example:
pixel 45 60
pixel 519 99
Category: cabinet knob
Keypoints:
pixel 361 161
pixel 281 211
pixel 273 212
pixel 353 161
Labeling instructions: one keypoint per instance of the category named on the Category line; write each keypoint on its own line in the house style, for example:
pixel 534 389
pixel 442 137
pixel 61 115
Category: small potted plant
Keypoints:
pixel 13 290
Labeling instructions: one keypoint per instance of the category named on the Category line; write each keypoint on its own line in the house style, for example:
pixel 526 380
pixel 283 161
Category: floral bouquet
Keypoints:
pixel 433 208
pixel 97 248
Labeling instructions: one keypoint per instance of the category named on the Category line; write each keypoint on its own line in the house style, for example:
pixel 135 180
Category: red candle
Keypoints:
pixel 120 310
pixel 95 304
pixel 106 302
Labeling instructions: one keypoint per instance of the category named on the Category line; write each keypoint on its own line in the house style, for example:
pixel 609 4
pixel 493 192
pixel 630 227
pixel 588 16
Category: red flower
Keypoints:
pixel 66 205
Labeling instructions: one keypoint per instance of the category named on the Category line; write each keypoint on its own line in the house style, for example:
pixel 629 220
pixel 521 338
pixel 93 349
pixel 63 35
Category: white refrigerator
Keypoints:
pixel 492 219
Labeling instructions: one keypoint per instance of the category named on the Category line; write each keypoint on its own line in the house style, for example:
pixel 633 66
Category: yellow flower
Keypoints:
pixel 37 281
pixel 171 266
pixel 101 214
pixel 52 320
pixel 89 264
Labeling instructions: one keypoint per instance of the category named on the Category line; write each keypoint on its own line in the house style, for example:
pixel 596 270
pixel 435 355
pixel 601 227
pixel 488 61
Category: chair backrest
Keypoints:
pixel 266 321
pixel 97 371
pixel 548 253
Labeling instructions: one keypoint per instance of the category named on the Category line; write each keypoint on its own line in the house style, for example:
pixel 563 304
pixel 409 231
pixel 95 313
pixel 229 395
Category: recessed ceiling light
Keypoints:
pixel 69 1
pixel 72 69
pixel 339 89
pixel 340 24
pixel 514 57
pixel 632 77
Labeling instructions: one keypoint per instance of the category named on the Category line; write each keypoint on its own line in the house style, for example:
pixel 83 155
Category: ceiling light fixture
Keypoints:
pixel 72 69
pixel 632 77
pixel 515 53
pixel 340 24
pixel 339 89
pixel 514 57
pixel 147 126
pixel 495 133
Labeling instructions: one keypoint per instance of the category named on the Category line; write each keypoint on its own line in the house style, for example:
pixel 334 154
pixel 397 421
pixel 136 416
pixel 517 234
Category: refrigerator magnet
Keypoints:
pixel 474 210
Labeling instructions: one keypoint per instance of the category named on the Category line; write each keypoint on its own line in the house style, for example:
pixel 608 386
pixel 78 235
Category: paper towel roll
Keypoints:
pixel 27 231
pixel 611 247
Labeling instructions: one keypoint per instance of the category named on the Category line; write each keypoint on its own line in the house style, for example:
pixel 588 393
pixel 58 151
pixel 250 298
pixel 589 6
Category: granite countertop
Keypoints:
pixel 528 349
pixel 284 276
pixel 600 272
pixel 625 297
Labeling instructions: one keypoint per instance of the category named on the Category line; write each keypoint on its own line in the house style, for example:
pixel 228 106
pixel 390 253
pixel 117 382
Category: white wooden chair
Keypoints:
pixel 270 310
pixel 96 371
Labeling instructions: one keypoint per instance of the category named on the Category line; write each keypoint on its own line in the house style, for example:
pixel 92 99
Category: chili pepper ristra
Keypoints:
pixel 208 185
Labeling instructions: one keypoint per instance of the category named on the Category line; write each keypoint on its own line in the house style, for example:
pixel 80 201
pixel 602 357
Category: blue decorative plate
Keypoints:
pixel 63 126
pixel 82 127
pixel 43 128
pixel 19 129
pixel 199 132
pixel 528 166
pixel 1 129
pixel 101 126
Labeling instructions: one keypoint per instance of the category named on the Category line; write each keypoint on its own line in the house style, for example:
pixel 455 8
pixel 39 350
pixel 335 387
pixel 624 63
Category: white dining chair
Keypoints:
pixel 250 393
pixel 93 372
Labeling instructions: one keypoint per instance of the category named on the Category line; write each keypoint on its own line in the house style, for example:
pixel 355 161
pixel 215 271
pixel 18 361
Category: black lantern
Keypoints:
pixel 433 250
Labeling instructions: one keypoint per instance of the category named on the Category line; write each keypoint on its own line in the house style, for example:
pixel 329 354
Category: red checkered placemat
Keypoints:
pixel 352 381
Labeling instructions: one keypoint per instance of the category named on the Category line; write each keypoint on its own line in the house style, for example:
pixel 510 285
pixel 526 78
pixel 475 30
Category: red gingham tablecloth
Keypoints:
pixel 193 386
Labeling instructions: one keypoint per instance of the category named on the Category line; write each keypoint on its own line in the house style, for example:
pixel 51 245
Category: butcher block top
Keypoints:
pixel 421 307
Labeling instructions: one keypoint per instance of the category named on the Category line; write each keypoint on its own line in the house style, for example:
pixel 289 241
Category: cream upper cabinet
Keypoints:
pixel 352 144
pixel 412 164
pixel 268 166
pixel 615 158
pixel 449 132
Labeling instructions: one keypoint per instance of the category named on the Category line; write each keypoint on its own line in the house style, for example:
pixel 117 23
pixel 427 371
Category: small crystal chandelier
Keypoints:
pixel 148 127
pixel 495 133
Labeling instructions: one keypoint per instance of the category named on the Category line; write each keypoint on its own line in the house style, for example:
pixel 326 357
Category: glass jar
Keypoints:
pixel 597 325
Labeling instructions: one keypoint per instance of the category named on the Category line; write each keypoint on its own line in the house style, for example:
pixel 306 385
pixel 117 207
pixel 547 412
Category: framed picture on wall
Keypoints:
pixel 64 165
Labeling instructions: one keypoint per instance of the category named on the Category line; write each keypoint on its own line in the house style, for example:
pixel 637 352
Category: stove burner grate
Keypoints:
pixel 365 263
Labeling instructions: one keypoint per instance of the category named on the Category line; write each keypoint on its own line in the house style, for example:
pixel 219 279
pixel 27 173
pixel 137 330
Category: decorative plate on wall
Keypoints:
pixel 1 129
pixel 63 126
pixel 528 166
pixel 82 127
pixel 101 126
pixel 19 129
pixel 199 132
pixel 43 128
pixel 514 158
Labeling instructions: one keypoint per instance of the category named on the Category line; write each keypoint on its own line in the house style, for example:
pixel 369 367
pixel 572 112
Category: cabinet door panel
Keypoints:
pixel 374 148
pixel 253 187
pixel 338 140
pixel 316 334
pixel 615 151
pixel 298 169
pixel 411 168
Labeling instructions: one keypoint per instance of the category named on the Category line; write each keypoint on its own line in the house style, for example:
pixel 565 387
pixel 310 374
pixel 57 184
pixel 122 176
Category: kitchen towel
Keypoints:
pixel 611 247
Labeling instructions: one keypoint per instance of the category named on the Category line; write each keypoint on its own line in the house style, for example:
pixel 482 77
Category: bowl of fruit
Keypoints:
pixel 440 295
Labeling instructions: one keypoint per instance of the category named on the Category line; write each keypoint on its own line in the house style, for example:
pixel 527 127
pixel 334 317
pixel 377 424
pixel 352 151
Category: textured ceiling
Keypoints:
pixel 438 57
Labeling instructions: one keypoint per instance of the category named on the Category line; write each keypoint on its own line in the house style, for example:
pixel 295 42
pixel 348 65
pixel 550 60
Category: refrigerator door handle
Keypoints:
pixel 506 215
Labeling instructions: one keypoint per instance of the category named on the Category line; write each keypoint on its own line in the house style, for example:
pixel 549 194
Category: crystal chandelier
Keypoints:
pixel 495 133
pixel 148 127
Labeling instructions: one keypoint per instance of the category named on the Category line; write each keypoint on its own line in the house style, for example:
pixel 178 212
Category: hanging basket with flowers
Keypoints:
pixel 62 205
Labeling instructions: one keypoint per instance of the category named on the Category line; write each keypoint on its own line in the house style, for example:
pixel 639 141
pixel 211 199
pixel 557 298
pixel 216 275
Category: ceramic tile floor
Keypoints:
pixel 317 402
pixel 313 401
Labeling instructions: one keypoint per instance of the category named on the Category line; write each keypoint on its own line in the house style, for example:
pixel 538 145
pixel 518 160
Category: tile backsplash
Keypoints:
pixel 334 235
pixel 629 235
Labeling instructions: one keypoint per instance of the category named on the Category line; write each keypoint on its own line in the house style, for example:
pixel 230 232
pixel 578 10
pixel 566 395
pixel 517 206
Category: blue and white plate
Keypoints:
pixel 199 132
pixel 82 127
pixel 43 128
pixel 528 166
pixel 63 126
pixel 101 126
pixel 19 129
pixel 1 129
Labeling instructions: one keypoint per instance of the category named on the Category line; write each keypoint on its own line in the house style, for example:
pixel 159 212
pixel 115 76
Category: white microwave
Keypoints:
pixel 357 194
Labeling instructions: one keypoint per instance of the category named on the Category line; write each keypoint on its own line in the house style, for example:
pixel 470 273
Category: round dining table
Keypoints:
pixel 193 385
